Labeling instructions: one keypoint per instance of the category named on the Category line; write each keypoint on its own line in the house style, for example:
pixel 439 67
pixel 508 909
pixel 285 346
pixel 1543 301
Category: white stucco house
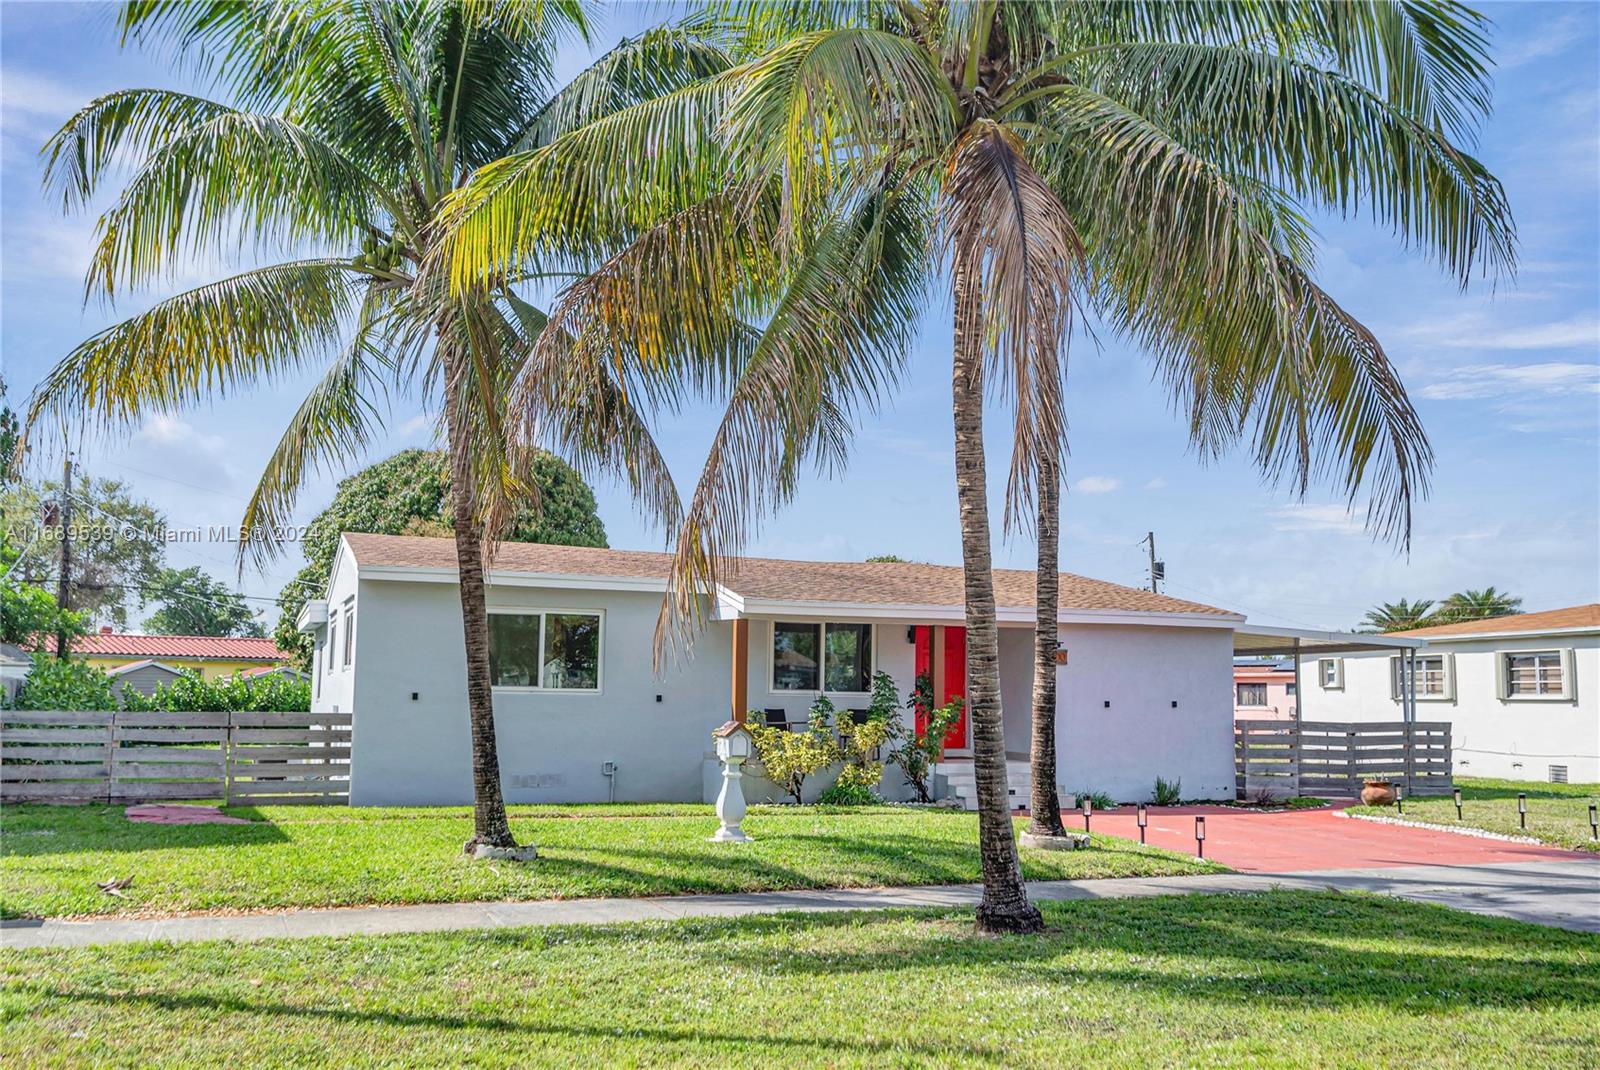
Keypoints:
pixel 1521 693
pixel 1145 684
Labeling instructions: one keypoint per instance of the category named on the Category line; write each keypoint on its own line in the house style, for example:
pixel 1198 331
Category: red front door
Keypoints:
pixel 955 678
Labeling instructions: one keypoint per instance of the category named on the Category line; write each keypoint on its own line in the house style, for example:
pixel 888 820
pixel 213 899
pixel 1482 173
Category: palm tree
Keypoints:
pixel 349 125
pixel 1478 605
pixel 1154 163
pixel 1397 616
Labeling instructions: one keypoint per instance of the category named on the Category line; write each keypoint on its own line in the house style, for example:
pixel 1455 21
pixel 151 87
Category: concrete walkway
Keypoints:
pixel 1565 894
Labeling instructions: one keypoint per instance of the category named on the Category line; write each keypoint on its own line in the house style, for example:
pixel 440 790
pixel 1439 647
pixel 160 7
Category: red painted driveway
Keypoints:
pixel 1295 841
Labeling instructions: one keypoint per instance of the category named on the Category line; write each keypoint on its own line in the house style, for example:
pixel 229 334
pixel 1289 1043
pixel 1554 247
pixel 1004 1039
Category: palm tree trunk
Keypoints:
pixel 1045 805
pixel 489 824
pixel 1005 907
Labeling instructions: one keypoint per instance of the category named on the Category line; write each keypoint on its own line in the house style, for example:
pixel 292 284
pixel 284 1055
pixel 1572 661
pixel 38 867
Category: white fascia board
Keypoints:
pixel 937 614
pixel 1543 633
pixel 312 615
pixel 1341 639
pixel 497 578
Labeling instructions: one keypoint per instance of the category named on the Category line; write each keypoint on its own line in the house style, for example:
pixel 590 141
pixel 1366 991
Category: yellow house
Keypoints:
pixel 213 658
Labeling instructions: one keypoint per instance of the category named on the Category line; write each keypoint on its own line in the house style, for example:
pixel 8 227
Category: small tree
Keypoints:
pixel 790 757
pixel 64 684
pixel 916 753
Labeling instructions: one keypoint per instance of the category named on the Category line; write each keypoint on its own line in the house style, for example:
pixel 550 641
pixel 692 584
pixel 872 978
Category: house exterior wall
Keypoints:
pixel 552 745
pixel 1280 705
pixel 1515 738
pixel 1141 671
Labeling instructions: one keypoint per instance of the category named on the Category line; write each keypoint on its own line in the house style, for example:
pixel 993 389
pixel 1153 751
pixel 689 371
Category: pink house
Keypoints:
pixel 1264 690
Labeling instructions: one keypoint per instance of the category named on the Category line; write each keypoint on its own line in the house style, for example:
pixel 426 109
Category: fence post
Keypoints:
pixel 227 763
pixel 1411 758
pixel 111 755
pixel 1350 759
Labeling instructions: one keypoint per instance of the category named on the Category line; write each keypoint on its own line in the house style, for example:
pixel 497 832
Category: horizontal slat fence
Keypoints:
pixel 1335 757
pixel 129 756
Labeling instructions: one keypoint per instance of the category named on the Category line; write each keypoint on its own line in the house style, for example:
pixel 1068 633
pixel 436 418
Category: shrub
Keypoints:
pixel 917 753
pixel 1099 799
pixel 859 743
pixel 789 757
pixel 53 684
pixel 1168 792
pixel 847 794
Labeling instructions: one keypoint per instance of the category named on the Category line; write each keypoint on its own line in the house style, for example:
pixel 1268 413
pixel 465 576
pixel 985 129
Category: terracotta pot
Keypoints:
pixel 1377 793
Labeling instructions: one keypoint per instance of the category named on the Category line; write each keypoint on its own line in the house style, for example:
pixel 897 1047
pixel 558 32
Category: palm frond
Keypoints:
pixel 110 129
pixel 203 343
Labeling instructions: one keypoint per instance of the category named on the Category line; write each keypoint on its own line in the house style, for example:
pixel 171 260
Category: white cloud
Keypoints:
pixel 1477 330
pixel 1303 517
pixel 165 432
pixel 1155 484
pixel 1097 484
pixel 1500 380
pixel 1553 38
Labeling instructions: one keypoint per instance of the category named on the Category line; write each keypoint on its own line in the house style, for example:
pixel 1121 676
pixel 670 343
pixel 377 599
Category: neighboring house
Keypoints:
pixel 1264 689
pixel 142 676
pixel 210 656
pixel 274 670
pixel 581 716
pixel 14 665
pixel 1522 693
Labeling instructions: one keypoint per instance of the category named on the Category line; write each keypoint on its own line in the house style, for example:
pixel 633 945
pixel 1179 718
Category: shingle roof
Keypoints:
pixel 846 582
pixel 172 646
pixel 1587 616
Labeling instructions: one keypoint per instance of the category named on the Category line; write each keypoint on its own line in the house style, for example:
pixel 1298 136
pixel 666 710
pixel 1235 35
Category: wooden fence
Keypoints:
pixel 1332 758
pixel 125 756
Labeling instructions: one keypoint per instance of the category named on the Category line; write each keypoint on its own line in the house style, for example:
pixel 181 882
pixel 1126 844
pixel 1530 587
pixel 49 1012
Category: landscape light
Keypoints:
pixel 1088 808
pixel 1200 836
pixel 1144 819
pixel 1399 800
pixel 1594 824
pixel 1522 809
pixel 1457 794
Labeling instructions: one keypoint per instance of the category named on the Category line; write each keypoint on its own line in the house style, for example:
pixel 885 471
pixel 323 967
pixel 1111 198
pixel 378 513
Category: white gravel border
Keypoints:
pixel 1482 834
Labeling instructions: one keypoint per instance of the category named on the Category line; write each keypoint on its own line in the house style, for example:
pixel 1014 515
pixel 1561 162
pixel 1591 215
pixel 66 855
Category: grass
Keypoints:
pixel 1557 813
pixel 297 856
pixel 1273 980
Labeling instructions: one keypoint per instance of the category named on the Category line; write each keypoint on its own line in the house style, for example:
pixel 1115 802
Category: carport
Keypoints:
pixel 1255 641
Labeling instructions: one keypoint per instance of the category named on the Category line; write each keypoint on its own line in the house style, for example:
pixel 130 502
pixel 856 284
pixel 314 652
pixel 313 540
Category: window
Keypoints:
pixel 1252 694
pixel 1290 690
pixel 1534 674
pixel 349 636
pixel 316 671
pixel 821 657
pixel 333 636
pixel 558 651
pixel 848 662
pixel 1435 676
pixel 1330 673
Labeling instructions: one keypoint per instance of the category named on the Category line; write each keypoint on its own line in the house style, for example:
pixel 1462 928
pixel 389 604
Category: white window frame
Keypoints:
pixel 347 653
pixel 1447 669
pixel 1502 675
pixel 328 659
pixel 1262 705
pixel 542 613
pixel 1335 684
pixel 316 670
pixel 822 670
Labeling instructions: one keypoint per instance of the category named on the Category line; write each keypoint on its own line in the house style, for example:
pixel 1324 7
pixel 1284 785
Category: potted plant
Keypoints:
pixel 1377 792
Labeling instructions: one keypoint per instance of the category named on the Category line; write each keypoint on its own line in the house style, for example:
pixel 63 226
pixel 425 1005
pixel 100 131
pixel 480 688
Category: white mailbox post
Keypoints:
pixel 734 745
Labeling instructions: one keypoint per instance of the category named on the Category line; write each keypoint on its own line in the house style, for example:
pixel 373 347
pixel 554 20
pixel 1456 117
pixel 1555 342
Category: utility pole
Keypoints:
pixel 64 584
pixel 1158 569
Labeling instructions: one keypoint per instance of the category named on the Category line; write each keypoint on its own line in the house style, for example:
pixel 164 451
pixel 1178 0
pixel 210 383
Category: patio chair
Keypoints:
pixel 777 719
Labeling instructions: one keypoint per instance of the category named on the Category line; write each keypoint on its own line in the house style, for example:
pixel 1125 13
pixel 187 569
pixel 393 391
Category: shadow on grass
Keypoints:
pixel 33 831
pixel 698 1034
pixel 1325 949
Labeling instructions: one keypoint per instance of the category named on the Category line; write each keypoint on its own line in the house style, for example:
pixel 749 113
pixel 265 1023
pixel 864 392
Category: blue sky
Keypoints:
pixel 1507 382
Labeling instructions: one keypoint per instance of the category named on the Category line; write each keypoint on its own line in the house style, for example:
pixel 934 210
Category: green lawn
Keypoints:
pixel 295 856
pixel 1557 813
pixel 1276 980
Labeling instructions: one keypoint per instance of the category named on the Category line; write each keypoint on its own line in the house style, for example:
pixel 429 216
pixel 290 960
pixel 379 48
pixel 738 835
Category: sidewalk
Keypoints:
pixel 1564 894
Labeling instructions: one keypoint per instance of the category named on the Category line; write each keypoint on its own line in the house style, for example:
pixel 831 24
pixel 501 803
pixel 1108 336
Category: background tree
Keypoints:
pixel 193 603
pixel 28 611
pixel 1397 616
pixel 886 559
pixel 8 437
pixel 409 494
pixel 117 547
pixel 1478 605
pixel 340 133
pixel 1157 163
